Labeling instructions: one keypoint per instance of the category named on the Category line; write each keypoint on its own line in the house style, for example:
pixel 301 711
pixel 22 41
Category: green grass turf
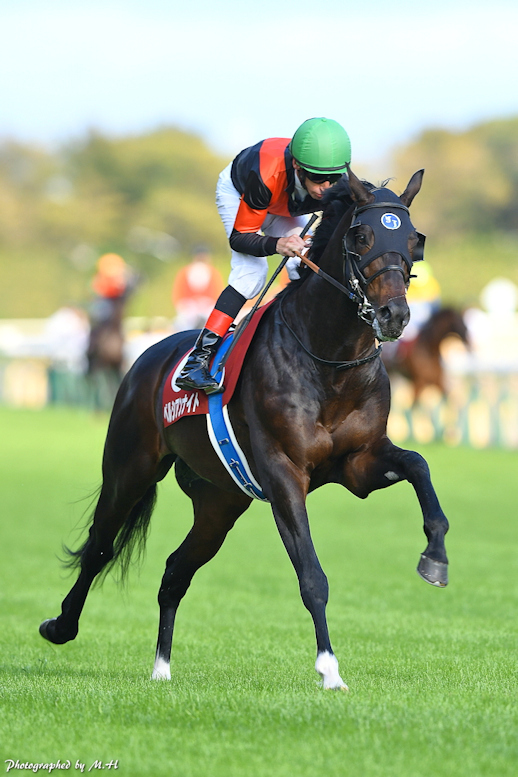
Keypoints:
pixel 432 672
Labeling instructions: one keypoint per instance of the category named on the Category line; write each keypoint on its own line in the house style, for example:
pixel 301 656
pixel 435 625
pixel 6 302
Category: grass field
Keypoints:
pixel 432 673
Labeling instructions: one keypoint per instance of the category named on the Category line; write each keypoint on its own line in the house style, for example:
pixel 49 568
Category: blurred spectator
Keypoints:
pixel 493 327
pixel 195 290
pixel 66 335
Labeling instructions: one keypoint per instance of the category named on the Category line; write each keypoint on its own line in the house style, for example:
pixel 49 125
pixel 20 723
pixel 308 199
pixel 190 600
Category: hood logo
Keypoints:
pixel 390 221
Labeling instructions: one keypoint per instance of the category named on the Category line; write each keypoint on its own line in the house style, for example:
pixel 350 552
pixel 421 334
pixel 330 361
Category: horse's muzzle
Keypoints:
pixel 392 318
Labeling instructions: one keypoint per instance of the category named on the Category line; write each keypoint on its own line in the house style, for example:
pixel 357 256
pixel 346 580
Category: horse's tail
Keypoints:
pixel 130 541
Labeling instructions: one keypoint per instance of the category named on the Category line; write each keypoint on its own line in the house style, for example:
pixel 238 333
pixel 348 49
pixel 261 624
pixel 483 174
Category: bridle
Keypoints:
pixel 355 264
pixel 355 283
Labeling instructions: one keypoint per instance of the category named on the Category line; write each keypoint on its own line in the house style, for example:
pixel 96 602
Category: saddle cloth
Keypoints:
pixel 177 403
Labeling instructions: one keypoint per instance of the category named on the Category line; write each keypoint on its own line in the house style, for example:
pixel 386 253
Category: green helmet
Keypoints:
pixel 321 146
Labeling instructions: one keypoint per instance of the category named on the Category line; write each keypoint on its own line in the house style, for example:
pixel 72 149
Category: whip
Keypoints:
pixel 247 318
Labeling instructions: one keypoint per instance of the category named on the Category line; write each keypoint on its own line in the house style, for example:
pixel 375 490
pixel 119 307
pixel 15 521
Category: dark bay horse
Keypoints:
pixel 310 408
pixel 419 360
pixel 106 343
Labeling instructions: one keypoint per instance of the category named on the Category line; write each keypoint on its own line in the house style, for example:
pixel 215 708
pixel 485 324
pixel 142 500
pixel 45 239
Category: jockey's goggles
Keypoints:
pixel 322 177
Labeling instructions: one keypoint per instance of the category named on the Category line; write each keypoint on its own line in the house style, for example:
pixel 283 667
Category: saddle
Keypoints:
pixel 178 403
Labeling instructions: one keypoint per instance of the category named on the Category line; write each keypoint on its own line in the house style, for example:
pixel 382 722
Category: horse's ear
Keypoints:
pixel 360 194
pixel 412 189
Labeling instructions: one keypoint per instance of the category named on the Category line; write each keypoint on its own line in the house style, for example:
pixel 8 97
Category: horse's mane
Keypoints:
pixel 335 202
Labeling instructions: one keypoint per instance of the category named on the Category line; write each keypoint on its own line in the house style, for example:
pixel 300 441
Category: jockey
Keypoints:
pixel 423 297
pixel 264 197
pixel 113 281
pixel 111 278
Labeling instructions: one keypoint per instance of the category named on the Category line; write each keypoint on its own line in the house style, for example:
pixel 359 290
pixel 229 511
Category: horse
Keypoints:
pixel 105 350
pixel 310 408
pixel 419 360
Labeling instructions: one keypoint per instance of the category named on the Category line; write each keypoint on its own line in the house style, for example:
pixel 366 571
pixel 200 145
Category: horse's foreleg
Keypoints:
pixel 433 564
pixel 288 505
pixel 375 469
pixel 215 513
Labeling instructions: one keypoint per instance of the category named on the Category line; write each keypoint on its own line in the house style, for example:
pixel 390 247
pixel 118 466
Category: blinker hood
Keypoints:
pixel 390 221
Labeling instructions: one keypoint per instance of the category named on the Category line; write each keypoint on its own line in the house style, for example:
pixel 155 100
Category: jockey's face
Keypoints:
pixel 315 190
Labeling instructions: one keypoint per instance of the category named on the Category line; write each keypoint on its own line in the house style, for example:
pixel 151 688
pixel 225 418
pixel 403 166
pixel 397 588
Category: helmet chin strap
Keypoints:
pixel 300 174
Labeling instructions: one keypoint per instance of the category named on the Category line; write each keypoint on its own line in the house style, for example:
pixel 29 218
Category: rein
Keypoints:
pixel 365 309
pixel 337 365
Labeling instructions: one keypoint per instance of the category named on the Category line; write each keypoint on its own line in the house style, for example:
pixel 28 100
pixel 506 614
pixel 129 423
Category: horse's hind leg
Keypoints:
pixel 125 505
pixel 96 553
pixel 215 513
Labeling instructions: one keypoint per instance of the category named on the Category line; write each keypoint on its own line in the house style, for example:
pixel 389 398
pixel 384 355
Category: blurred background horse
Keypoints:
pixel 113 284
pixel 419 359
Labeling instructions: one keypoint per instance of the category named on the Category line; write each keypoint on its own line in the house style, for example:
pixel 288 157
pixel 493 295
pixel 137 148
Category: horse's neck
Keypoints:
pixel 327 321
pixel 434 332
pixel 326 318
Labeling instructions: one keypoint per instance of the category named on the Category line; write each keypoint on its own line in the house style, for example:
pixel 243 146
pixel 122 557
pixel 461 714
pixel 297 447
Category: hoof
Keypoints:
pixel 343 687
pixel 161 670
pixel 48 632
pixel 433 572
pixel 327 667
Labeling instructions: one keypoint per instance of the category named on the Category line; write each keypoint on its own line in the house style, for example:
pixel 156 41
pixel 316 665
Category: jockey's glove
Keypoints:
pixel 293 267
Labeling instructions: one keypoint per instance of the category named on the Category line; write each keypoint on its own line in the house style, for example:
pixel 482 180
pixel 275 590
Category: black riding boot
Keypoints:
pixel 195 374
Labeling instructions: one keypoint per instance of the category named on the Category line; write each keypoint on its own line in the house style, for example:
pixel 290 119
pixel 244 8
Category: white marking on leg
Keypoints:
pixel 391 476
pixel 327 667
pixel 161 670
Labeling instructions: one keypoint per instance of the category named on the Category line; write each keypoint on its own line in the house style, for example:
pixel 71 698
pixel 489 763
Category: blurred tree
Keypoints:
pixel 468 204
pixel 24 172
pixel 150 198
pixel 501 140
pixel 94 194
pixel 163 181
pixel 471 179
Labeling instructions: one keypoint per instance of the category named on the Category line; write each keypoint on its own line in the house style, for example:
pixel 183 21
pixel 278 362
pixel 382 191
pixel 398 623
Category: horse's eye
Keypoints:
pixel 361 239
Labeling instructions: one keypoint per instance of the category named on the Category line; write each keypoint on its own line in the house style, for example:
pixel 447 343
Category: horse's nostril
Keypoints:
pixel 384 314
pixel 393 316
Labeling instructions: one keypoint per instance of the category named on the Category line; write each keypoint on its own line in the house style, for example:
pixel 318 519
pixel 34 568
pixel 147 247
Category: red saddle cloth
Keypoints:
pixel 177 403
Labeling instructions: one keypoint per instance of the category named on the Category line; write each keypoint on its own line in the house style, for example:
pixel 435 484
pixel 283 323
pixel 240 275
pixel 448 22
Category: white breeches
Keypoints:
pixel 248 273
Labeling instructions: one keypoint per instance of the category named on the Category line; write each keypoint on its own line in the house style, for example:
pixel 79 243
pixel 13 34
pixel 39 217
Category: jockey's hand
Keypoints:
pixel 286 246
